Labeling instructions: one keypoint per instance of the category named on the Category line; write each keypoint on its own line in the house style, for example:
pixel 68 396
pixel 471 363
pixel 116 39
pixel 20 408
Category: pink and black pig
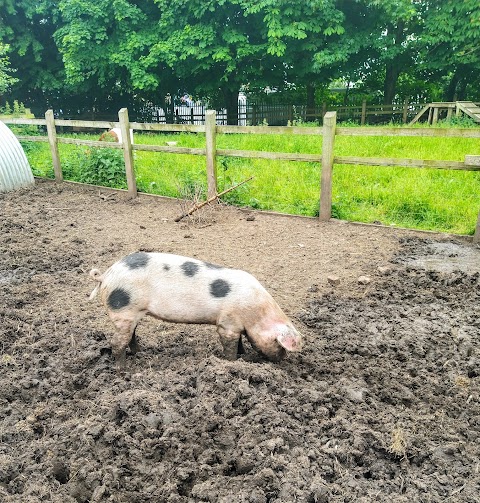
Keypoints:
pixel 186 290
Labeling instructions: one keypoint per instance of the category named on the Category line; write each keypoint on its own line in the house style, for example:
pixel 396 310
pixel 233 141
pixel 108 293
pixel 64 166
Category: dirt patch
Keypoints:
pixel 382 405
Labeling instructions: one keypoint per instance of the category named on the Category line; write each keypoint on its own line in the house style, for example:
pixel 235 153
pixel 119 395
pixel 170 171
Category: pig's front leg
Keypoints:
pixel 230 335
pixel 134 347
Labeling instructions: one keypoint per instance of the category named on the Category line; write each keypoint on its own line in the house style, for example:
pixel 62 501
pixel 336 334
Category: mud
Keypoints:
pixel 382 405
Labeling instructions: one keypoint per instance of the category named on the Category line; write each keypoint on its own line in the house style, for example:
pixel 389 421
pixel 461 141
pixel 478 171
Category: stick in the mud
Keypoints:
pixel 196 207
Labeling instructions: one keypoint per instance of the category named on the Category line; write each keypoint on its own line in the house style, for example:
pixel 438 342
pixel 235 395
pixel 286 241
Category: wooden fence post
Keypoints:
pixel 329 124
pixel 405 111
pixel 364 112
pixel 476 236
pixel 211 151
pixel 458 111
pixel 127 152
pixel 52 140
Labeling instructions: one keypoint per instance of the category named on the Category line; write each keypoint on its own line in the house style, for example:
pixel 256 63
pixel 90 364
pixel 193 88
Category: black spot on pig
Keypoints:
pixel 118 298
pixel 212 266
pixel 136 260
pixel 166 267
pixel 189 268
pixel 219 288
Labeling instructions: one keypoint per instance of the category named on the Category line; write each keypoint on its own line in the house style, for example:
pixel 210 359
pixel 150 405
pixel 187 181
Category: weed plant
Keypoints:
pixel 430 199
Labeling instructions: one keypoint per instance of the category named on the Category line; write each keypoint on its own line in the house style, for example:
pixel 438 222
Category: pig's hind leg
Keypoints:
pixel 124 336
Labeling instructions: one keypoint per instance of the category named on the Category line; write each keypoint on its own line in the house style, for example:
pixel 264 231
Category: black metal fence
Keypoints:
pixel 272 114
pixel 255 114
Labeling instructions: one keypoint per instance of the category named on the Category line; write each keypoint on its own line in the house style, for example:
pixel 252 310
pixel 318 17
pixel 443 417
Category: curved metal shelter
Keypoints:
pixel 15 171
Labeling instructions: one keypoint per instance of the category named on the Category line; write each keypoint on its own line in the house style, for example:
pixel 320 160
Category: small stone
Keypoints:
pixel 153 420
pixel 364 280
pixel 355 395
pixel 313 289
pixel 333 280
pixel 250 218
pixel 385 270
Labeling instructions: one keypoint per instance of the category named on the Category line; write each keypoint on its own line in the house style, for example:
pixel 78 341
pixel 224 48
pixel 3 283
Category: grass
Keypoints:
pixel 429 199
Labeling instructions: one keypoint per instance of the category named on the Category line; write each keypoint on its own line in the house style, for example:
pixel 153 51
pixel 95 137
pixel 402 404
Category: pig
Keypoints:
pixel 186 290
pixel 115 135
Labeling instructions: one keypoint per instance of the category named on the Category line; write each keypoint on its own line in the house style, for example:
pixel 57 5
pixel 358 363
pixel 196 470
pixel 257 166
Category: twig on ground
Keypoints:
pixel 196 207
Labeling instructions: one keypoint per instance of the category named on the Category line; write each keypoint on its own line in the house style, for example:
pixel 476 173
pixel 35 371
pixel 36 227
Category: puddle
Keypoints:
pixel 446 257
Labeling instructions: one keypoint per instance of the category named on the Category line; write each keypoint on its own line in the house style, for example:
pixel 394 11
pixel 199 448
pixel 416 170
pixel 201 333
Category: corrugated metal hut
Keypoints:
pixel 15 172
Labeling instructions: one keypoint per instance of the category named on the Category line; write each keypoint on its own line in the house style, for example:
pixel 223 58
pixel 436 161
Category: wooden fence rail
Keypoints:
pixel 327 158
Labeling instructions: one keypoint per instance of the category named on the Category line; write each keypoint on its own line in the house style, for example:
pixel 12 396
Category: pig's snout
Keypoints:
pixel 289 338
pixel 274 341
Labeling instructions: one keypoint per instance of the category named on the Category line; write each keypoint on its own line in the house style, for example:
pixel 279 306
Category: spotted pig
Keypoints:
pixel 186 290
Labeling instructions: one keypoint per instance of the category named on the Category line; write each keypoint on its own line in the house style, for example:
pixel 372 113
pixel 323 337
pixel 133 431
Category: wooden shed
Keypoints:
pixel 15 171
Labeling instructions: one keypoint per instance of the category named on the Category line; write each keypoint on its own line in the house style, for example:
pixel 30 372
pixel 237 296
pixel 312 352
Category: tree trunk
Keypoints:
pixel 462 89
pixel 168 108
pixel 310 117
pixel 231 104
pixel 451 91
pixel 390 84
pixel 393 67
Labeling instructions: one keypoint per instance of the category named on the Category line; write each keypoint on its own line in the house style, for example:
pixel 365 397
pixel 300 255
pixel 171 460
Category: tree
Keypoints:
pixel 27 26
pixel 451 44
pixel 301 33
pixel 103 54
pixel 381 40
pixel 206 47
pixel 6 79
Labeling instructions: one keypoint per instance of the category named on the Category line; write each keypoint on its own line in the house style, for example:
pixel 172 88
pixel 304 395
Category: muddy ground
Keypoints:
pixel 382 404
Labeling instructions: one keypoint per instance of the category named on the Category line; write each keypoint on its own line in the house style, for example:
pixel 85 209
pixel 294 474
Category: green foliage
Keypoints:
pixel 103 166
pixel 22 129
pixel 103 54
pixel 209 48
pixel 6 79
pixel 191 185
pixel 226 178
pixel 452 32
pixel 31 149
pixel 450 46
pixel 17 110
pixel 462 122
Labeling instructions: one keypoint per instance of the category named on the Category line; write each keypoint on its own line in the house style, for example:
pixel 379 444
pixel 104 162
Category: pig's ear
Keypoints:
pixel 290 339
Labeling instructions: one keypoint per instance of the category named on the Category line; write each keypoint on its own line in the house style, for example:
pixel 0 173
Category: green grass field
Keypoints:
pixel 429 199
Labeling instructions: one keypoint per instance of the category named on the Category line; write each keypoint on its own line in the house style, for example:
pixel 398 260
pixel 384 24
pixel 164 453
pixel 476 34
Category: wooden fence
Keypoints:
pixel 327 158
